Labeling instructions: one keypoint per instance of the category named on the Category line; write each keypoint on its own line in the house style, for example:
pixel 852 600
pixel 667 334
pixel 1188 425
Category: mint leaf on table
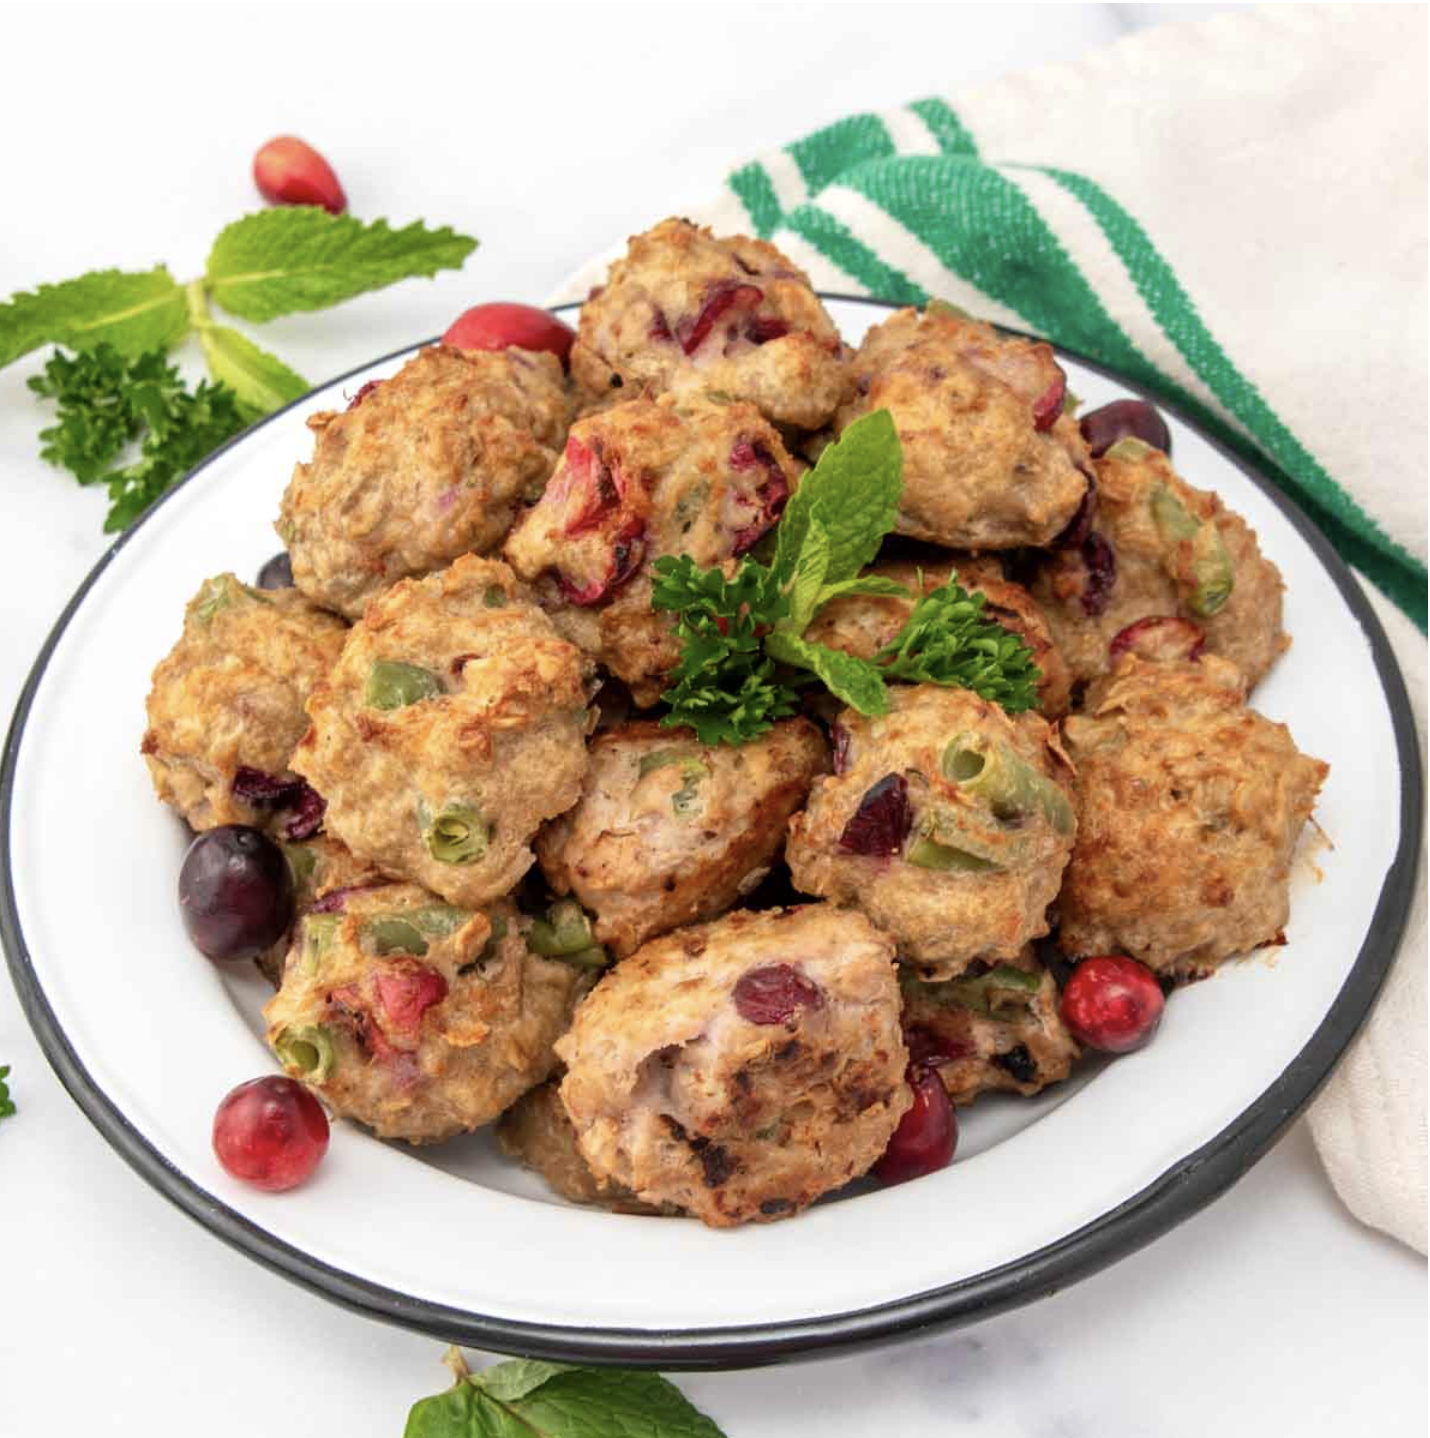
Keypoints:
pixel 277 262
pixel 7 1104
pixel 525 1398
pixel 105 401
pixel 258 379
pixel 949 640
pixel 132 311
pixel 854 491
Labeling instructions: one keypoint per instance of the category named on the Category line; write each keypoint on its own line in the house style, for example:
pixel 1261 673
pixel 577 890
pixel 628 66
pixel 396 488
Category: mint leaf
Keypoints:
pixel 260 381
pixel 7 1104
pixel 871 584
pixel 854 489
pixel 948 640
pixel 133 311
pixel 280 261
pixel 525 1398
pixel 856 681
pixel 810 569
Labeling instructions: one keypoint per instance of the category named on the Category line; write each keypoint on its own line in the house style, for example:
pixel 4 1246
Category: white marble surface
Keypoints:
pixel 548 131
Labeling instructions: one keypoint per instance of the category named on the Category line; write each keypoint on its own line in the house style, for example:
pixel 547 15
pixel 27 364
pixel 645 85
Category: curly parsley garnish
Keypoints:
pixel 742 636
pixel 7 1104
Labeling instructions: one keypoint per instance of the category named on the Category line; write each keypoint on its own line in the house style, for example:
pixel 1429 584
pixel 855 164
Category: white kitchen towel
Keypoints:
pixel 1234 213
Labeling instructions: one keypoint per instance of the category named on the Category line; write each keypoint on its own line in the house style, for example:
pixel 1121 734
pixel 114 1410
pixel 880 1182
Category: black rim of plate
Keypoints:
pixel 1183 1189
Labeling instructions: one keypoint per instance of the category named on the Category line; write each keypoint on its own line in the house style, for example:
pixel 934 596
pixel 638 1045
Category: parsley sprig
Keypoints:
pixel 742 635
pixel 7 1104
pixel 118 389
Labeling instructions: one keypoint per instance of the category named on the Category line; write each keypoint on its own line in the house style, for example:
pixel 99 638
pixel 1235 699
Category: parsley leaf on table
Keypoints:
pixel 7 1104
pixel 104 402
pixel 526 1398
pixel 278 262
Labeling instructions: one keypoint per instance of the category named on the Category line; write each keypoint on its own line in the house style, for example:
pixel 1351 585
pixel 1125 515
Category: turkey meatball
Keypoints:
pixel 669 830
pixel 226 709
pixel 421 468
pixel 450 729
pixel 862 624
pixel 645 479
pixel 742 1068
pixel 947 821
pixel 1191 805
pixel 990 460
pixel 997 1031
pixel 1161 550
pixel 416 1018
pixel 685 312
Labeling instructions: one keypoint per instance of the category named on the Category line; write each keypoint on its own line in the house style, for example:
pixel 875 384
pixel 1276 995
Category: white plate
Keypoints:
pixel 148 1036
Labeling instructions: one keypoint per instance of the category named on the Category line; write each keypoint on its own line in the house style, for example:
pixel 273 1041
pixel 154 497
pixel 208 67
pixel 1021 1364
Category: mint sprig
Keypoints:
pixel 272 263
pixel 526 1398
pixel 742 637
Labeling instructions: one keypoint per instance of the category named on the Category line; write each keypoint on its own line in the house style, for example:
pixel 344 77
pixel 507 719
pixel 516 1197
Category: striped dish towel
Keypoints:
pixel 1233 214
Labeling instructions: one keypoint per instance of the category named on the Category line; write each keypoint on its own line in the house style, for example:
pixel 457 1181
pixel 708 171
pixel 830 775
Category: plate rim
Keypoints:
pixel 1182 1190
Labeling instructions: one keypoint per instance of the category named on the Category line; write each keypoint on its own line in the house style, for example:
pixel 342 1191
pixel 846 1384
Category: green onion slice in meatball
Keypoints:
pixel 1213 575
pixel 392 685
pixel 457 834
pixel 318 933
pixel 565 934
pixel 1012 788
pixel 407 931
pixel 308 1047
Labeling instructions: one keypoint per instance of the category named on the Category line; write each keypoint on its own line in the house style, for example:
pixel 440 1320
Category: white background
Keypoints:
pixel 548 132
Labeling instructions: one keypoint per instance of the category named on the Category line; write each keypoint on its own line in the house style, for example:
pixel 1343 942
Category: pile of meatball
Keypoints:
pixel 435 801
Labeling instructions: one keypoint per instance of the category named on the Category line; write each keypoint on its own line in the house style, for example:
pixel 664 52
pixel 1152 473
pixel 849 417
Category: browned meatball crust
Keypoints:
pixel 645 479
pixel 450 729
pixel 1191 805
pixel 685 312
pixel 997 1032
pixel 990 460
pixel 741 1068
pixel 862 624
pixel 416 1018
pixel 947 822
pixel 229 696
pixel 1176 552
pixel 537 1132
pixel 670 830
pixel 423 467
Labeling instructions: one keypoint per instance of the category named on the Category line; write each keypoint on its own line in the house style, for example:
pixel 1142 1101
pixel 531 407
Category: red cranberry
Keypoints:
pixel 1049 405
pixel 363 392
pixel 926 1136
pixel 720 298
pixel 769 496
pixel 1124 419
pixel 774 993
pixel 1112 1003
pixel 929 1049
pixel 346 1010
pixel 501 325
pixel 764 328
pixel 406 990
pixel 839 738
pixel 289 172
pixel 627 551
pixel 270 1132
pixel 1079 527
pixel 881 822
pixel 1100 561
pixel 1160 637
pixel 590 482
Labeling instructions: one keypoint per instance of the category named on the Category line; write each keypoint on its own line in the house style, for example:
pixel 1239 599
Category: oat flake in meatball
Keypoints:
pixel 1191 805
pixel 421 468
pixel 1161 549
pixel 742 1068
pixel 998 1031
pixel 450 729
pixel 644 479
pixel 947 822
pixel 990 460
pixel 685 312
pixel 226 709
pixel 669 830
pixel 416 1018
pixel 862 624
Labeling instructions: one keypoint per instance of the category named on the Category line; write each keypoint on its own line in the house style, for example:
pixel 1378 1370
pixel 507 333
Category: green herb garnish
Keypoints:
pixel 7 1104
pixel 118 390
pixel 742 637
